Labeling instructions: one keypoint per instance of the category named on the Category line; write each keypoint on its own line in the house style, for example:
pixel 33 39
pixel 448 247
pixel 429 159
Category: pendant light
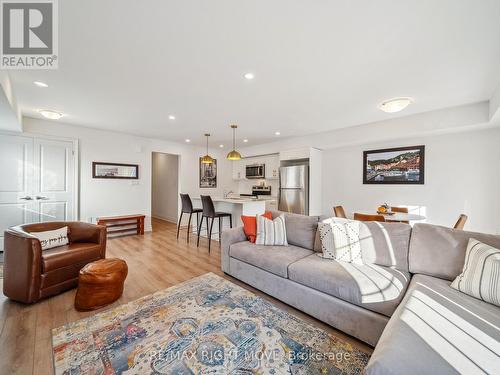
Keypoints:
pixel 207 159
pixel 234 155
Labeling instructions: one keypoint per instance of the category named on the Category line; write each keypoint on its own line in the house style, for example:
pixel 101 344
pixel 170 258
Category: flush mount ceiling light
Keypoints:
pixel 245 140
pixel 233 154
pixel 207 159
pixel 221 146
pixel 277 133
pixel 40 84
pixel 171 117
pixel 52 115
pixel 249 76
pixel 188 140
pixel 395 104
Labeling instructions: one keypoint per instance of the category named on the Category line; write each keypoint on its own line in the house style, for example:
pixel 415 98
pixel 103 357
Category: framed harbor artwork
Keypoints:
pixel 115 170
pixel 208 174
pixel 401 165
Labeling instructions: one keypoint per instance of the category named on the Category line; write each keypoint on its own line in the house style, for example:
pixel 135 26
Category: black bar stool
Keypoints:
pixel 210 213
pixel 187 208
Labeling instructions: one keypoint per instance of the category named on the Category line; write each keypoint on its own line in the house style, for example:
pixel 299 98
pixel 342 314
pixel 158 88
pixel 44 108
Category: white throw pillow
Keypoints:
pixel 271 232
pixel 480 277
pixel 340 240
pixel 52 238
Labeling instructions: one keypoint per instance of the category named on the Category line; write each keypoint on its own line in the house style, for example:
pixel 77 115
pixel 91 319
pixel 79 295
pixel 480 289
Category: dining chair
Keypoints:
pixel 400 209
pixel 210 213
pixel 403 210
pixel 187 208
pixel 365 217
pixel 462 219
pixel 339 212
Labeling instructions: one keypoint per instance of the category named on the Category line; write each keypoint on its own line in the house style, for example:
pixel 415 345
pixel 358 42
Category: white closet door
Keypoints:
pixel 54 180
pixel 16 182
pixel 37 181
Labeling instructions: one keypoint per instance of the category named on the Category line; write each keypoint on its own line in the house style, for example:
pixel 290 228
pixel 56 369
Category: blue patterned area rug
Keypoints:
pixel 206 325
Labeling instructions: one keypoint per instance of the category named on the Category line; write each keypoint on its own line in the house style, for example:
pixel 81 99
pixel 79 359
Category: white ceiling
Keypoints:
pixel 126 65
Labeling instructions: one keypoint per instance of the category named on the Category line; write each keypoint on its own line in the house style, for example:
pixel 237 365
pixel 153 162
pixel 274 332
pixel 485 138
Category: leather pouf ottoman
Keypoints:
pixel 100 283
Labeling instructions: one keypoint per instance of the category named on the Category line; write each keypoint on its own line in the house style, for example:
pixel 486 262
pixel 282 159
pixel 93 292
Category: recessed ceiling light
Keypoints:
pixel 171 117
pixel 188 140
pixel 249 76
pixel 277 133
pixel 40 84
pixel 395 104
pixel 245 140
pixel 47 113
pixel 221 146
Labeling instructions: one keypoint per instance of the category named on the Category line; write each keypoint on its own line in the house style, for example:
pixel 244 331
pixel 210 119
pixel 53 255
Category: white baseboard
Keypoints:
pixel 170 220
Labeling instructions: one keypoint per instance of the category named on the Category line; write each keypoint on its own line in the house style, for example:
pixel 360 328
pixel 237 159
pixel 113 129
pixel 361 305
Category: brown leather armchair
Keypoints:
pixel 31 274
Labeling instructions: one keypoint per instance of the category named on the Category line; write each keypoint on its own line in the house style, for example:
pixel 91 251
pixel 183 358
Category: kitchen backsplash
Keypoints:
pixel 245 186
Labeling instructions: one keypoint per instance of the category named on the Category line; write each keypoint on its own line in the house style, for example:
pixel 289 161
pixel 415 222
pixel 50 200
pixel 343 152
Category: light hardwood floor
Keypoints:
pixel 156 261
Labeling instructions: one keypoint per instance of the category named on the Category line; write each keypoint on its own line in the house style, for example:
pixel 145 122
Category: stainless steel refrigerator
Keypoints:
pixel 294 189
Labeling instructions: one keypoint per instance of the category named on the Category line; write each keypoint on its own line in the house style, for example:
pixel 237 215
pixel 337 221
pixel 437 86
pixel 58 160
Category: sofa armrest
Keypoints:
pixel 22 265
pixel 229 237
pixel 86 232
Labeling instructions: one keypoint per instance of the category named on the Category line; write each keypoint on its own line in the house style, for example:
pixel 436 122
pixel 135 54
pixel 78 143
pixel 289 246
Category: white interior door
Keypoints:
pixel 16 180
pixel 53 180
pixel 37 181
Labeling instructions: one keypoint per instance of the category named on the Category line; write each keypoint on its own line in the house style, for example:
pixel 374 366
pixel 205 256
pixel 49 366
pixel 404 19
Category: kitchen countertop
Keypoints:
pixel 236 200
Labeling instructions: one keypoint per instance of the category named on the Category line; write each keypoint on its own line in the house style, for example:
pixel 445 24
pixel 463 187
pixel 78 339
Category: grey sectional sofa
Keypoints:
pixel 399 300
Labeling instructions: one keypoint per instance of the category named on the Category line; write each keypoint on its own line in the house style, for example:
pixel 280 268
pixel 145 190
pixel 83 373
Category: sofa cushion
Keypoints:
pixel 376 288
pixel 250 225
pixel 385 244
pixel 67 255
pixel 440 251
pixel 340 240
pixel 300 229
pixel 274 259
pixel 52 238
pixel 438 330
pixel 480 277
pixel 271 232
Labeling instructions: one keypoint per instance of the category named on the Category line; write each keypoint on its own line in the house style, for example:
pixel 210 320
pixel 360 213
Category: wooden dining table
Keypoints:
pixel 396 216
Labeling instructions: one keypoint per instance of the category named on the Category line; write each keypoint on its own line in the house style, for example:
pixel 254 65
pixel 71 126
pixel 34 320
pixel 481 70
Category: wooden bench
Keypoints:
pixel 123 224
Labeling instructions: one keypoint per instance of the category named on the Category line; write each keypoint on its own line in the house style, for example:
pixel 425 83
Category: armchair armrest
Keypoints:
pixel 22 265
pixel 229 237
pixel 86 232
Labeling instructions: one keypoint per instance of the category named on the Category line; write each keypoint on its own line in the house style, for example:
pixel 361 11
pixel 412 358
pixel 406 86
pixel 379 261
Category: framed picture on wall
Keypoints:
pixel 115 170
pixel 208 174
pixel 401 165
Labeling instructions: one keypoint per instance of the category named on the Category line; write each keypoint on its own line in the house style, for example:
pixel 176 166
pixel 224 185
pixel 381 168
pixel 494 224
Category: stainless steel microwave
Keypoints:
pixel 255 171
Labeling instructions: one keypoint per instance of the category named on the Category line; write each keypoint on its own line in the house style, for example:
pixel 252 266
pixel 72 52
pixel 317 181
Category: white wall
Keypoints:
pixel 100 197
pixel 453 137
pixel 462 175
pixel 165 186
pixel 10 113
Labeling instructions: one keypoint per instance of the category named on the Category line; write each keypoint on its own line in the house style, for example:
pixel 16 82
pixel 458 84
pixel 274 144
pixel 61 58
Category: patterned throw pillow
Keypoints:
pixel 52 238
pixel 250 225
pixel 480 277
pixel 340 240
pixel 271 232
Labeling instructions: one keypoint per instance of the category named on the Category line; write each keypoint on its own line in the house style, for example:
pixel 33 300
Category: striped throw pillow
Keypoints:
pixel 480 277
pixel 271 232
pixel 340 240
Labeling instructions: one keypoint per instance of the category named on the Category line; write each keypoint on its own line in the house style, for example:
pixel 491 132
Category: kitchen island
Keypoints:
pixel 236 207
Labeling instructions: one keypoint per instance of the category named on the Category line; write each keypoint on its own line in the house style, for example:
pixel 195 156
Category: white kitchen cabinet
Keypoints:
pixel 272 167
pixel 271 205
pixel 238 169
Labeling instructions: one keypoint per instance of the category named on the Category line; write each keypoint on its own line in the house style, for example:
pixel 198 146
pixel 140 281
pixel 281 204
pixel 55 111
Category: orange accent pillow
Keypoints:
pixel 250 225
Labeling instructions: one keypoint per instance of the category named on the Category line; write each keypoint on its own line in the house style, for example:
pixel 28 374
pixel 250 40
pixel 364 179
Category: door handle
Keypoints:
pixel 26 198
pixel 38 197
